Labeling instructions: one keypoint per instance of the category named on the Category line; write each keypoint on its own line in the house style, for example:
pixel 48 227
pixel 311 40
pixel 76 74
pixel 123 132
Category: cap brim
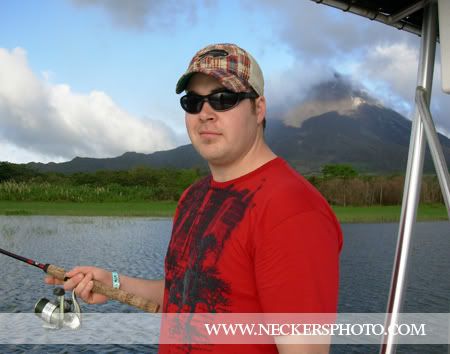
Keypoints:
pixel 183 82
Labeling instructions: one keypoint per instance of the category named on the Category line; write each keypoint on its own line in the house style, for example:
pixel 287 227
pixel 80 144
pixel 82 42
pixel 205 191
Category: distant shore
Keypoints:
pixel 389 213
pixel 378 214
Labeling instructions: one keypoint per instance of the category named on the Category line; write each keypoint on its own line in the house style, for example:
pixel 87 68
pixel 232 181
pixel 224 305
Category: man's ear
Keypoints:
pixel 260 108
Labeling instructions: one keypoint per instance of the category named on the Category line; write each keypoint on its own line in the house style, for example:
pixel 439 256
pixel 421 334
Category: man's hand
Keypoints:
pixel 81 282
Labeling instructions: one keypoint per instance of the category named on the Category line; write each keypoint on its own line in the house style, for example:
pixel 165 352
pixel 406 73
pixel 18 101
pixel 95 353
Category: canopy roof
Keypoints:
pixel 402 14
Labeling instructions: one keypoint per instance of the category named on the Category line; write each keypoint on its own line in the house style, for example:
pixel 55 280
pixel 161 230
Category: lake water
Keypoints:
pixel 136 246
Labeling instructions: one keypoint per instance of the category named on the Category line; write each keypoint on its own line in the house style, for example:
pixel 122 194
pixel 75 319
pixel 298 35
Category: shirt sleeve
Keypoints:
pixel 297 265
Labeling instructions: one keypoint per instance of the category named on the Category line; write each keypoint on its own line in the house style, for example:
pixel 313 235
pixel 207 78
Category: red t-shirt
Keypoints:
pixel 264 242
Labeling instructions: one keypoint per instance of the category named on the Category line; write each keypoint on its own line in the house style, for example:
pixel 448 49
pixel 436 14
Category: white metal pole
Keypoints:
pixel 435 146
pixel 413 178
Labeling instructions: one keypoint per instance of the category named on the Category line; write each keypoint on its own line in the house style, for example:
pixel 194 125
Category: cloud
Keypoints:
pixel 335 94
pixel 52 121
pixel 13 153
pixel 323 40
pixel 315 31
pixel 390 71
pixel 146 14
pixel 342 43
pixel 304 90
pixel 290 85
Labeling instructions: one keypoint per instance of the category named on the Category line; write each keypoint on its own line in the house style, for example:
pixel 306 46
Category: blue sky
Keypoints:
pixel 97 77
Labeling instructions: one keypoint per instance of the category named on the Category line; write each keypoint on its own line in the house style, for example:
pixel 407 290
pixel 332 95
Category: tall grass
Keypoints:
pixel 46 192
pixel 361 191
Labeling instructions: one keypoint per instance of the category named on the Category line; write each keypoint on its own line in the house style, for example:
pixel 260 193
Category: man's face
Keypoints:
pixel 222 138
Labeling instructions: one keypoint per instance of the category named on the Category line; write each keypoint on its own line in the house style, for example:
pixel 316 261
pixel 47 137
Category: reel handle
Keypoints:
pixel 110 292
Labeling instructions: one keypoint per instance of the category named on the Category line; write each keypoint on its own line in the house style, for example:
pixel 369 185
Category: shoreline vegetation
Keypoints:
pixel 347 214
pixel 153 192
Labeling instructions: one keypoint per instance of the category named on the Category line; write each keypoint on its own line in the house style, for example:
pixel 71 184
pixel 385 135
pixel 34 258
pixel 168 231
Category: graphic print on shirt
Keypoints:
pixel 206 219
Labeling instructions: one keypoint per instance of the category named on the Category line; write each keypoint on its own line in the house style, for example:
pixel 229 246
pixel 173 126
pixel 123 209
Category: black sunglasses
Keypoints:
pixel 219 101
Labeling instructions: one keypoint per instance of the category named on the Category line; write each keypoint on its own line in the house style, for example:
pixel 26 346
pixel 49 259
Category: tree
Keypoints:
pixel 16 172
pixel 338 170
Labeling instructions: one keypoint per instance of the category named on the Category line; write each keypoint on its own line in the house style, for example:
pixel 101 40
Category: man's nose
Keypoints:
pixel 207 112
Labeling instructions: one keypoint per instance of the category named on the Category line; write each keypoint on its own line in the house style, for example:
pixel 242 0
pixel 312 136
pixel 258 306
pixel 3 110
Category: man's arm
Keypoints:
pixel 81 282
pixel 299 348
pixel 148 289
pixel 297 271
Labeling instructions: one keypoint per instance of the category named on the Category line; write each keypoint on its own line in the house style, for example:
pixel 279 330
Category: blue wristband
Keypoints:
pixel 115 280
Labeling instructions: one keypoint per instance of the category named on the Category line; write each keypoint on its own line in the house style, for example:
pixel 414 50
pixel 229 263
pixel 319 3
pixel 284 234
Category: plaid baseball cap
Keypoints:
pixel 234 67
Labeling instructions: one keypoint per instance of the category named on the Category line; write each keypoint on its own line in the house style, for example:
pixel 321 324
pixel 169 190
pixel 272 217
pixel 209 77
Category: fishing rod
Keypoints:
pixel 99 288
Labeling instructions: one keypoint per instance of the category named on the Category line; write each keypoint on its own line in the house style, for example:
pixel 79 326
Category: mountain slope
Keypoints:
pixel 181 157
pixel 373 139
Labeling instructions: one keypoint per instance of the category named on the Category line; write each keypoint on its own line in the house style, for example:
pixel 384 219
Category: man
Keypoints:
pixel 254 236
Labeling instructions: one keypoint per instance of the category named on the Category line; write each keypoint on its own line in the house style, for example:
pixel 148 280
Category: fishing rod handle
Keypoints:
pixel 111 293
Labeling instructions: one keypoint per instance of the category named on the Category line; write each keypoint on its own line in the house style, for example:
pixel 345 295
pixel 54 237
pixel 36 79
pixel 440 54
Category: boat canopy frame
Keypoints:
pixel 421 18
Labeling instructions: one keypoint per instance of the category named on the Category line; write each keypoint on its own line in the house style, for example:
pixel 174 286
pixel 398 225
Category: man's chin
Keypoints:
pixel 209 154
pixel 216 159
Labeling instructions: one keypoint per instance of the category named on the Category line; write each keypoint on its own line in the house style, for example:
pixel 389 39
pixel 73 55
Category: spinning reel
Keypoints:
pixel 60 313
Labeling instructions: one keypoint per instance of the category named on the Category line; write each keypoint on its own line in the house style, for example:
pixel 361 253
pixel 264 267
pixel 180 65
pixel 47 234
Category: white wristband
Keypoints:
pixel 115 280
